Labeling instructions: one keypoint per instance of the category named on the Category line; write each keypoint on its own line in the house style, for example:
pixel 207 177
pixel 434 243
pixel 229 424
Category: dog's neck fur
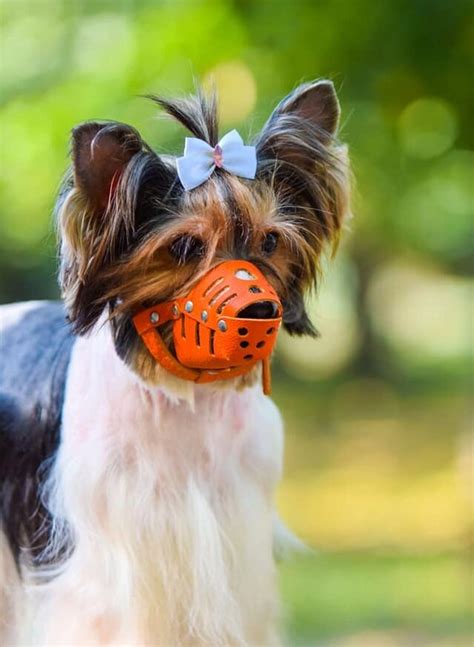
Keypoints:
pixel 167 497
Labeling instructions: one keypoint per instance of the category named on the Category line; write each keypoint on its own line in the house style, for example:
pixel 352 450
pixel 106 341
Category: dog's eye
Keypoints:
pixel 270 243
pixel 186 248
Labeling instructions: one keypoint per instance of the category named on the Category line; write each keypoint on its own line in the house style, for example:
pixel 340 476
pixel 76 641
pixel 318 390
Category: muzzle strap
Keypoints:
pixel 221 329
pixel 158 350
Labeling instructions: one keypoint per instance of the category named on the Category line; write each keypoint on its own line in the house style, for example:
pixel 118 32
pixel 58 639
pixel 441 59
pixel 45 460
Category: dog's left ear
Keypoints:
pixel 302 126
pixel 316 103
pixel 300 158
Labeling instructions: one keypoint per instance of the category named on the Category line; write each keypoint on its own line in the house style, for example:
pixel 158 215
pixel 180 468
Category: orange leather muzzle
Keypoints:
pixel 226 324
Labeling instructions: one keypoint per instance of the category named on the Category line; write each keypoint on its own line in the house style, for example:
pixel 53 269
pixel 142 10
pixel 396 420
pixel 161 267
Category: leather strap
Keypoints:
pixel 157 348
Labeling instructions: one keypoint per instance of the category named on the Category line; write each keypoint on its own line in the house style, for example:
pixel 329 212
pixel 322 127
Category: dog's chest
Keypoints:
pixel 169 501
pixel 212 434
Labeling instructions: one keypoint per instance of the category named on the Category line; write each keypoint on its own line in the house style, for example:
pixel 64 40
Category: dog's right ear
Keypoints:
pixel 112 172
pixel 100 153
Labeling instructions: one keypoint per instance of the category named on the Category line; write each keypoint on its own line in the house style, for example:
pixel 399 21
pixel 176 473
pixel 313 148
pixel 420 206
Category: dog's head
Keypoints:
pixel 133 237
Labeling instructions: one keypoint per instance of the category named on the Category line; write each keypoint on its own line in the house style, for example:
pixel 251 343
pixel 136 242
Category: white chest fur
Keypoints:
pixel 169 501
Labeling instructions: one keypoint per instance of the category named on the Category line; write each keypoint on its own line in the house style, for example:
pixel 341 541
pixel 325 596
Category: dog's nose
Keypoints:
pixel 260 310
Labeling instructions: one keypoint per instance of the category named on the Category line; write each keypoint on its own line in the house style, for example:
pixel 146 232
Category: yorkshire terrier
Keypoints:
pixel 139 452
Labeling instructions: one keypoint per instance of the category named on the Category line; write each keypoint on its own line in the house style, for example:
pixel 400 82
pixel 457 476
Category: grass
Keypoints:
pixel 334 595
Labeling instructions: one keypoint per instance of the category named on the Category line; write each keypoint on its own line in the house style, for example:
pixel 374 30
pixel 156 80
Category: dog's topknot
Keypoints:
pixel 197 113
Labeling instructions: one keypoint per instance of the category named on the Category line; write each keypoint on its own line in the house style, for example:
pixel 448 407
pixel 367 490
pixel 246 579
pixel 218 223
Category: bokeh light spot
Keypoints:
pixel 333 312
pixel 99 35
pixel 427 128
pixel 436 212
pixel 421 313
pixel 236 88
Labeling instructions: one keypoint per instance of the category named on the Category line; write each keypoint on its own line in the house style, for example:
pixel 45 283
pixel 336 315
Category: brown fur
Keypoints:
pixel 117 250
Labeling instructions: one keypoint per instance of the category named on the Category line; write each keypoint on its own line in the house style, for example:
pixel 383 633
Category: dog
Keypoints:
pixel 139 450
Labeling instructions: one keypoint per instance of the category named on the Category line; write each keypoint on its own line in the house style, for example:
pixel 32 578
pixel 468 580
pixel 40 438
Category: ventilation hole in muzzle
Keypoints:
pixel 211 342
pixel 218 294
pixel 248 357
pixel 243 331
pixel 270 331
pixel 213 285
pixel 260 344
pixel 225 302
pixel 244 344
pixel 183 327
pixel 255 289
pixel 198 333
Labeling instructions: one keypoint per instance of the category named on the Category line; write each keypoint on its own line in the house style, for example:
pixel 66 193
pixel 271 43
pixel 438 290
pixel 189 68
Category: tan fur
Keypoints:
pixel 161 492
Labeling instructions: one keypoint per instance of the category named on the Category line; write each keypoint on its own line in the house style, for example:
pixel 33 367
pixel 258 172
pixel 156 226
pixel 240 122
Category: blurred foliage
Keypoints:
pixel 379 455
pixel 379 601
pixel 378 481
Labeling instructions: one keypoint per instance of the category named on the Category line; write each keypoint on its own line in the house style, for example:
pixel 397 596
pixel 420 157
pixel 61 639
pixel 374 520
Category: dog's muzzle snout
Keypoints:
pixel 226 324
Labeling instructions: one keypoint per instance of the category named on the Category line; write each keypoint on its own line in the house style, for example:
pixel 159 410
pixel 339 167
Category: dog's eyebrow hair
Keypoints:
pixel 264 266
pixel 235 214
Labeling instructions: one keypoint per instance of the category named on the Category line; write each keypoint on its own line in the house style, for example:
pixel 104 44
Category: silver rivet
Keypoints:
pixel 189 306
pixel 154 317
pixel 175 310
pixel 204 315
pixel 245 275
pixel 222 325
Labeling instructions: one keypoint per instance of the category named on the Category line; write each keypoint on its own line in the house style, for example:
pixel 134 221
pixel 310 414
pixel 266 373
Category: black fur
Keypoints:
pixel 145 200
pixel 35 356
pixel 197 113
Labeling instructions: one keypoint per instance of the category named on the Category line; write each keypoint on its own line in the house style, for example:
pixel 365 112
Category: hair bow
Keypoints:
pixel 200 159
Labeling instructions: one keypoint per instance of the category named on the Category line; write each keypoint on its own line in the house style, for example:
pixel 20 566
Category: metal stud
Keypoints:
pixel 189 306
pixel 175 310
pixel 204 315
pixel 222 325
pixel 154 317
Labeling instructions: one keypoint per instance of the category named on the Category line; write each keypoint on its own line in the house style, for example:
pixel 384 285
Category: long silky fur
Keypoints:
pixel 161 499
pixel 171 536
pixel 120 260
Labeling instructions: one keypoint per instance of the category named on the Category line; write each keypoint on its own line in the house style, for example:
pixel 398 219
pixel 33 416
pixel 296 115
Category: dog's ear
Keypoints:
pixel 100 153
pixel 300 158
pixel 302 126
pixel 316 103
pixel 113 190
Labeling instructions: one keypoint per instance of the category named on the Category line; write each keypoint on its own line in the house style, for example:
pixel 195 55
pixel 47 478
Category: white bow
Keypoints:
pixel 200 159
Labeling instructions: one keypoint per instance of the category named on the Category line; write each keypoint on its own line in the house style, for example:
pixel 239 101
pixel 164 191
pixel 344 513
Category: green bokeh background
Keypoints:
pixel 379 448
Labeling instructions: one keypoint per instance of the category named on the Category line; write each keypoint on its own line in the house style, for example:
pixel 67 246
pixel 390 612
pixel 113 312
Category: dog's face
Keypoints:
pixel 132 237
